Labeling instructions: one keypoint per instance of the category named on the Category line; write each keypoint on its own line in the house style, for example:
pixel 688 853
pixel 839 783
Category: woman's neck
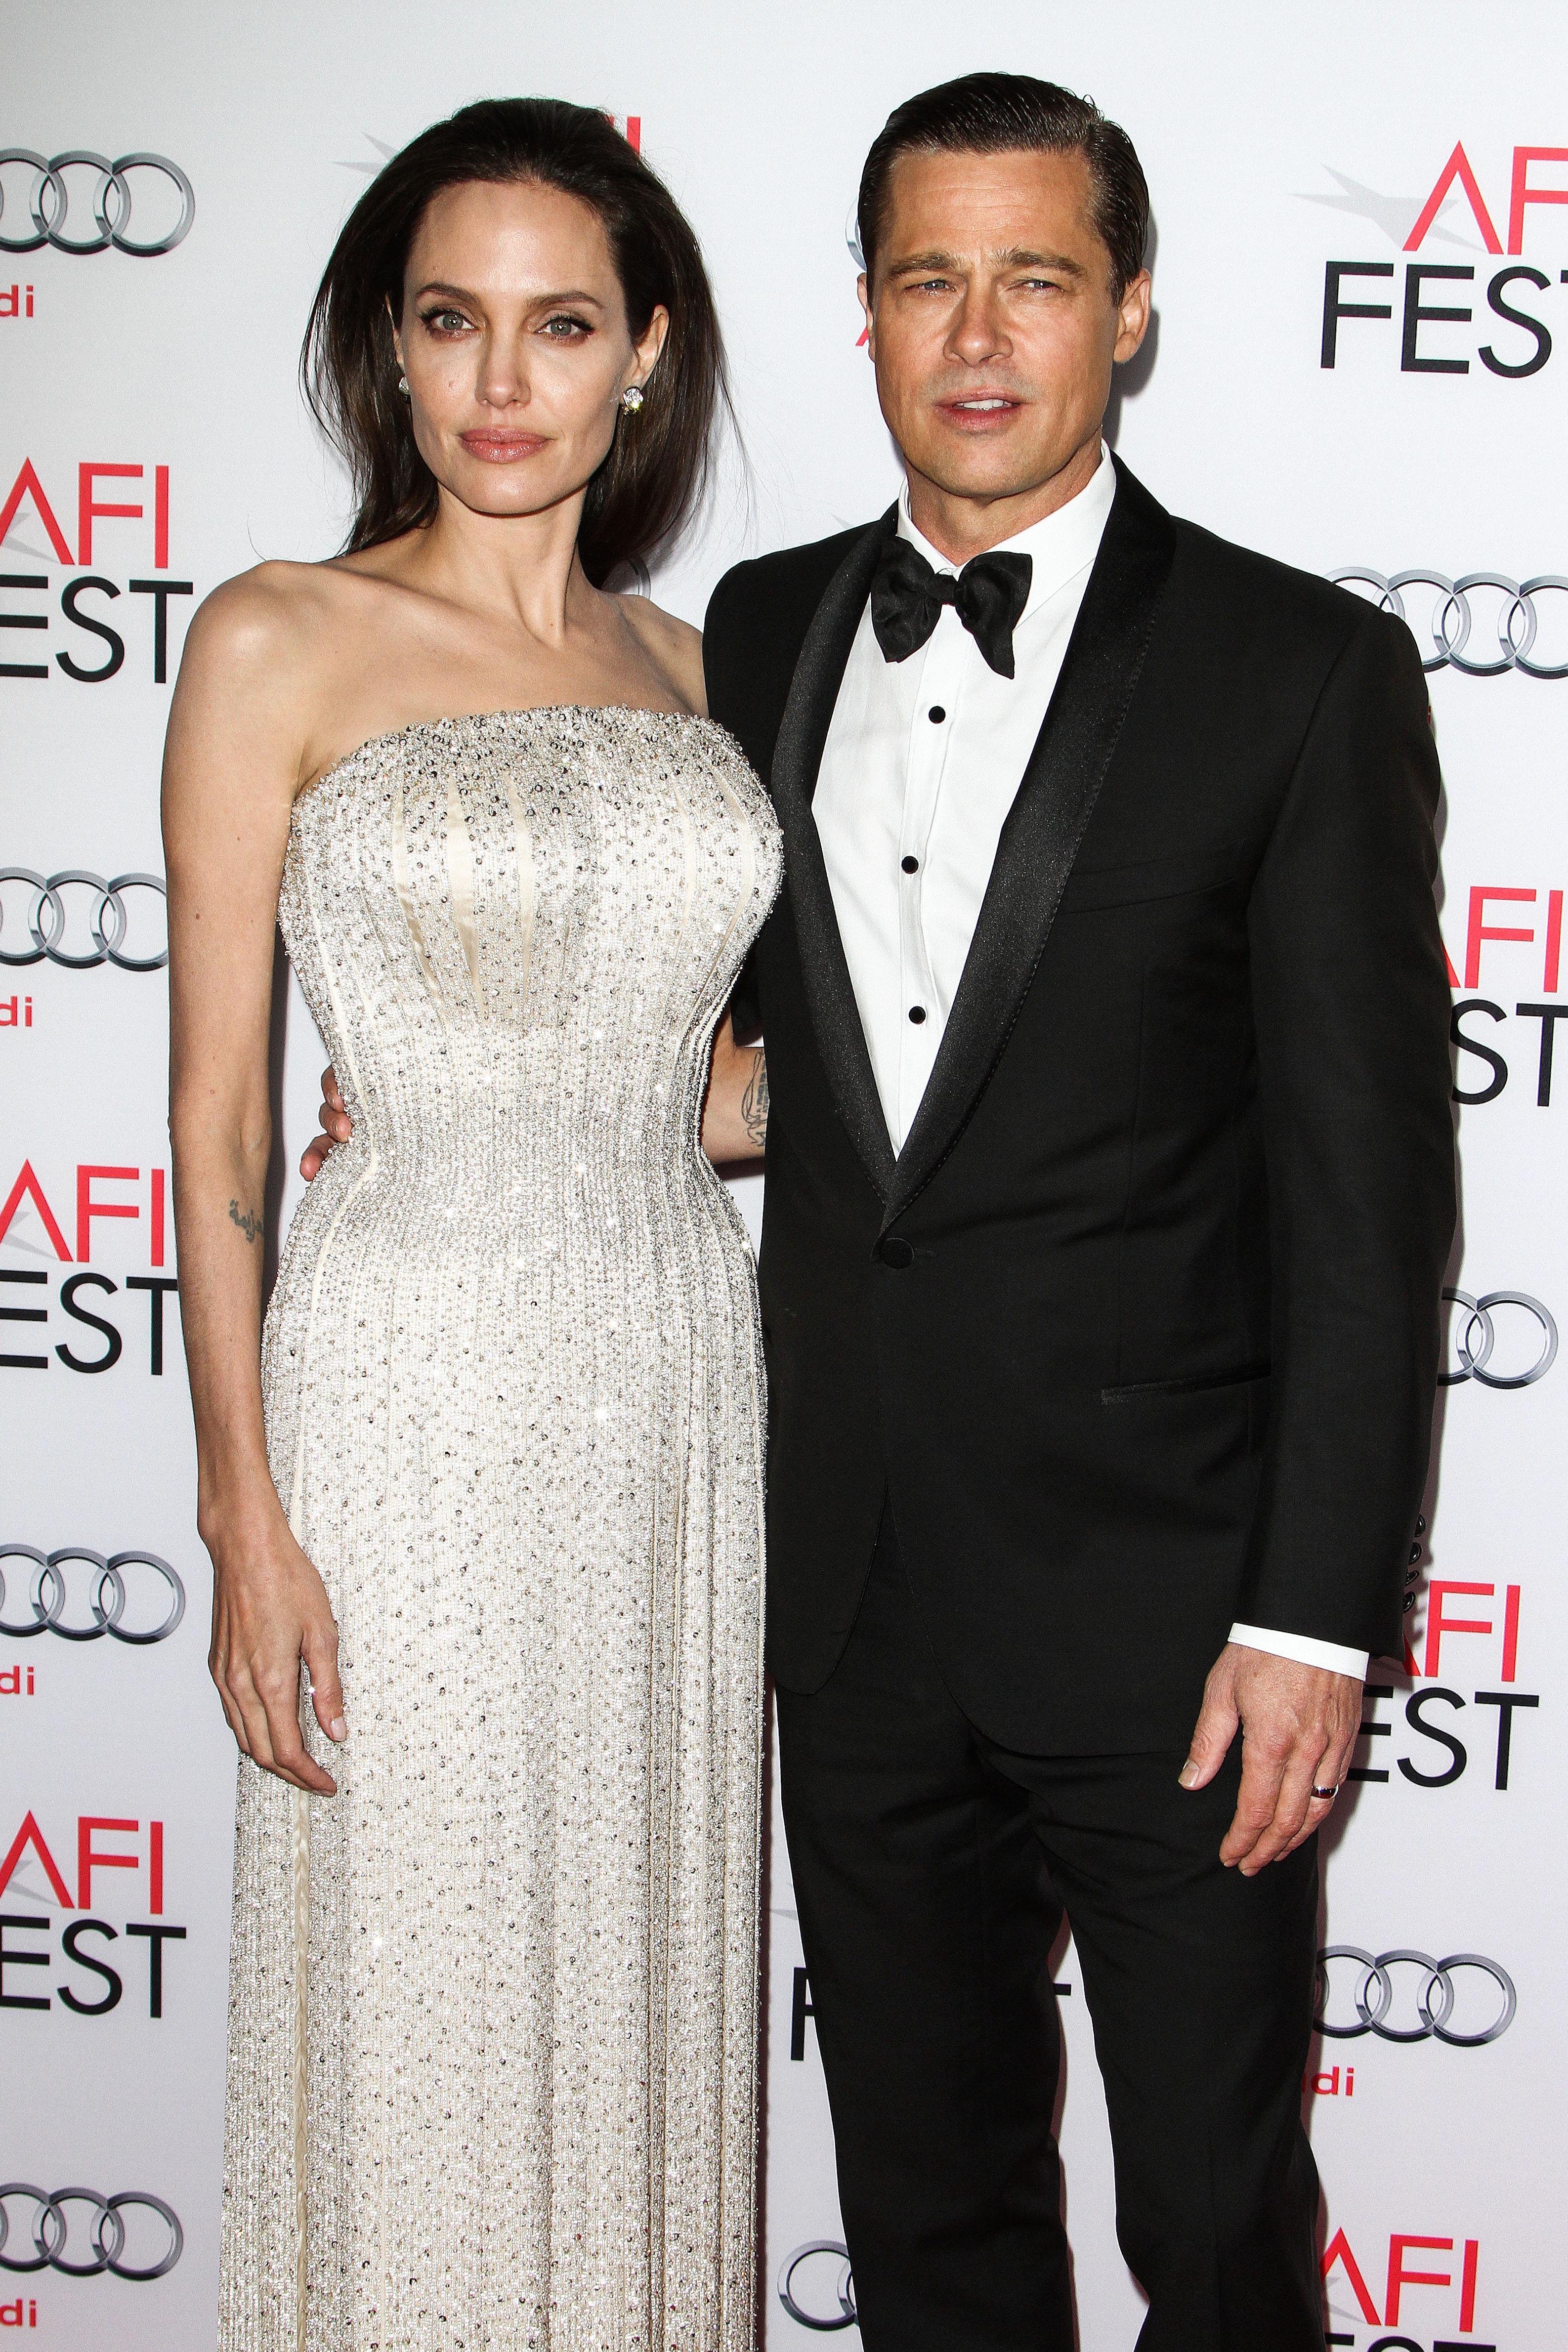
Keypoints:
pixel 520 569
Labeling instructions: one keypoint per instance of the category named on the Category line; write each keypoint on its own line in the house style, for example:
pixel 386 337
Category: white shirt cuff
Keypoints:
pixel 1305 1651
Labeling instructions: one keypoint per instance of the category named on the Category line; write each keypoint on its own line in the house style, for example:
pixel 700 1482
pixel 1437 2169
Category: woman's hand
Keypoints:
pixel 269 1611
pixel 735 1114
pixel 336 1127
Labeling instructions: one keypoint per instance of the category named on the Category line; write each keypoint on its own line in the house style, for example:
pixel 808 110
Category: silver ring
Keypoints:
pixel 1329 1793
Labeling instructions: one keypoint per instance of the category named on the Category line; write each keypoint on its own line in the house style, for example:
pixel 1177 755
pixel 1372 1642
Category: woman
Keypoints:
pixel 498 1484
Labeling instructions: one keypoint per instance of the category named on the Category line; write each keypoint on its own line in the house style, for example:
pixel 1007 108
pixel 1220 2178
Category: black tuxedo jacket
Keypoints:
pixel 1137 1334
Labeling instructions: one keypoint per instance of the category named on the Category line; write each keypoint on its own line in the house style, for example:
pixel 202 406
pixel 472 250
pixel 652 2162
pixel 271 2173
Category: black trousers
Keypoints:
pixel 932 1869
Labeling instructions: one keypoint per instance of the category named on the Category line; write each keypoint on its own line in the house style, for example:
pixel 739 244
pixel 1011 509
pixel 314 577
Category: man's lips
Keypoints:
pixel 980 412
pixel 501 449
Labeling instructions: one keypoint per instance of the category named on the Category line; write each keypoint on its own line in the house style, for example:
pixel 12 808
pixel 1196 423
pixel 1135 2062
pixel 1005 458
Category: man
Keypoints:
pixel 1109 1192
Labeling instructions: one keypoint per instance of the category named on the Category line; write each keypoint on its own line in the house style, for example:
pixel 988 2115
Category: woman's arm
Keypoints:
pixel 231 768
pixel 735 1114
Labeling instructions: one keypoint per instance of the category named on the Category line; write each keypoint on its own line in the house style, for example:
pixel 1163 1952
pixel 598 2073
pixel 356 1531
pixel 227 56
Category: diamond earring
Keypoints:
pixel 631 399
pixel 403 385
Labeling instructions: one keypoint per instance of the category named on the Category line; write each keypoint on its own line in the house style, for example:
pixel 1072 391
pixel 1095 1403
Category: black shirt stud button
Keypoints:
pixel 936 714
pixel 911 865
pixel 916 1013
pixel 895 1252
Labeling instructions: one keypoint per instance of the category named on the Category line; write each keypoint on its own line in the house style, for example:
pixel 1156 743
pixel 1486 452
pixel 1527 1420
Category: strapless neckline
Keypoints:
pixel 520 710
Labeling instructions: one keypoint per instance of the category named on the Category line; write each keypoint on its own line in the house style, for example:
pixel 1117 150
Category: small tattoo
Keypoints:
pixel 249 1223
pixel 754 1103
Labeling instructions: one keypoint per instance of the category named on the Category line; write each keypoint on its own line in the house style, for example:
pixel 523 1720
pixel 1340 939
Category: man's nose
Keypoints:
pixel 978 333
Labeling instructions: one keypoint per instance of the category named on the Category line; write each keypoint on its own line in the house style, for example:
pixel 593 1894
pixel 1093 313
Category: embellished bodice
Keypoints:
pixel 516 932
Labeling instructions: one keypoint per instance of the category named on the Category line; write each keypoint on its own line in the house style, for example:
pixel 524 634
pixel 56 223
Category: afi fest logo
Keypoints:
pixel 80 1974
pixel 97 1332
pixel 33 530
pixel 1522 301
pixel 1411 2265
pixel 1472 1631
pixel 1513 931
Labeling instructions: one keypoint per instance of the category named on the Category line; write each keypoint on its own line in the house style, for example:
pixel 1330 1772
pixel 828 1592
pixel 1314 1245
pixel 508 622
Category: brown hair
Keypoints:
pixel 656 467
pixel 1000 113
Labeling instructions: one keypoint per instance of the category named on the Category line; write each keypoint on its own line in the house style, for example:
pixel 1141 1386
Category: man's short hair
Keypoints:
pixel 1000 113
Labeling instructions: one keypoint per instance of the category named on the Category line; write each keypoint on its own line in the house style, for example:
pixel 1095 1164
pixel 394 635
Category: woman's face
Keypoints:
pixel 513 338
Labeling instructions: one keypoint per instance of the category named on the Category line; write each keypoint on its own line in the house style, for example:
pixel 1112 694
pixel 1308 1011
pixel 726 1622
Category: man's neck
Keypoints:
pixel 959 526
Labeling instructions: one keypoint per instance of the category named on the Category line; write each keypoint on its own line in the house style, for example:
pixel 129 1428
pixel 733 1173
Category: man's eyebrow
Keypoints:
pixel 1018 257
pixel 1013 257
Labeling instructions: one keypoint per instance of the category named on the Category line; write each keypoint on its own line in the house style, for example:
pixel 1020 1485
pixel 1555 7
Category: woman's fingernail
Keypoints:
pixel 339 1729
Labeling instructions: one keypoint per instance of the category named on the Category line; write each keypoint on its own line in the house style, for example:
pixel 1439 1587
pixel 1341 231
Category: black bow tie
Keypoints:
pixel 989 595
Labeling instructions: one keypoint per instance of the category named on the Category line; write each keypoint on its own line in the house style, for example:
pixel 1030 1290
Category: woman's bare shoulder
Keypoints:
pixel 293 631
pixel 673 644
pixel 274 612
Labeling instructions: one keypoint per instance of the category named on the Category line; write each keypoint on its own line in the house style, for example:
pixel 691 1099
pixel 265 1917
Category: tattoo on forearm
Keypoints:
pixel 754 1103
pixel 249 1223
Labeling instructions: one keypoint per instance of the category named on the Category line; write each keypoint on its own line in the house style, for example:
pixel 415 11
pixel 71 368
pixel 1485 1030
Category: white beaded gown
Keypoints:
pixel 493 2007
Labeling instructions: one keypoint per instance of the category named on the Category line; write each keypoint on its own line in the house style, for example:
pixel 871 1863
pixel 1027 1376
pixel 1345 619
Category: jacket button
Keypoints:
pixel 895 1251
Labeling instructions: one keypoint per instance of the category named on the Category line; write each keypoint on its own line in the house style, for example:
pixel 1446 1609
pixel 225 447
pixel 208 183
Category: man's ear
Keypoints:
pixel 1133 322
pixel 862 287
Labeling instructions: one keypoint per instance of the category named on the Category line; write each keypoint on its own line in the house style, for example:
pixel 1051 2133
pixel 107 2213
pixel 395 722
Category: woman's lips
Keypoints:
pixel 501 449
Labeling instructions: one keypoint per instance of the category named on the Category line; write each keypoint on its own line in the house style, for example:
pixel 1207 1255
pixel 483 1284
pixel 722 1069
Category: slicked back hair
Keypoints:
pixel 1001 113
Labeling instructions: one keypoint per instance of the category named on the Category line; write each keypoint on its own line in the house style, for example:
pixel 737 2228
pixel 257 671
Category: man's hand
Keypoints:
pixel 1299 1724
pixel 336 1127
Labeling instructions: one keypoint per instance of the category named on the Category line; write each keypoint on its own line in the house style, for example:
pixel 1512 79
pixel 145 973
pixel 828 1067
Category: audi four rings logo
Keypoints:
pixel 821 2273
pixel 78 1594
pixel 1448 618
pixel 47 199
pixel 50 2232
pixel 1476 1336
pixel 1493 1998
pixel 38 913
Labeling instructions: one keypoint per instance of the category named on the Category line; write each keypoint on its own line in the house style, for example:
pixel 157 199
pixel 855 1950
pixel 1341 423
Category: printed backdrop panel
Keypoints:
pixel 1361 299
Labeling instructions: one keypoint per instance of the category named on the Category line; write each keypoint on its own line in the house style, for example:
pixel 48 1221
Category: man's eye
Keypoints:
pixel 935 286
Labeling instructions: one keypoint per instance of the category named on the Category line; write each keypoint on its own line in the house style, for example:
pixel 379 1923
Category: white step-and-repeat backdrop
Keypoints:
pixel 1359 364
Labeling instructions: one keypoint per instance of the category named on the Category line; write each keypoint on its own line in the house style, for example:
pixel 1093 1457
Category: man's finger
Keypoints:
pixel 1259 1796
pixel 1330 1774
pixel 1318 1813
pixel 1212 1734
pixel 1290 1807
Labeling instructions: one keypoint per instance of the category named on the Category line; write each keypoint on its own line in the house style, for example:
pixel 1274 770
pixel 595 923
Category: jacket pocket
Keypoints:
pixel 1236 1377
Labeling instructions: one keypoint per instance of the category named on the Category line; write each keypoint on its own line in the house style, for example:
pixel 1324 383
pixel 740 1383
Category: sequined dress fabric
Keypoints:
pixel 493 2007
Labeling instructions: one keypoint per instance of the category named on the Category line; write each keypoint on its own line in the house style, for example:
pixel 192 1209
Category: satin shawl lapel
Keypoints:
pixel 798 756
pixel 1045 825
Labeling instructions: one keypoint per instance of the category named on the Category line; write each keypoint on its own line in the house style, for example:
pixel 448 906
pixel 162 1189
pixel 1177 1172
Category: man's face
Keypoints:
pixel 994 319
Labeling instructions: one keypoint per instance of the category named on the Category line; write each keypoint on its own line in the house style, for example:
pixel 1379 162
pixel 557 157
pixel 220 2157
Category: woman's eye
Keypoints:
pixel 564 329
pixel 444 323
